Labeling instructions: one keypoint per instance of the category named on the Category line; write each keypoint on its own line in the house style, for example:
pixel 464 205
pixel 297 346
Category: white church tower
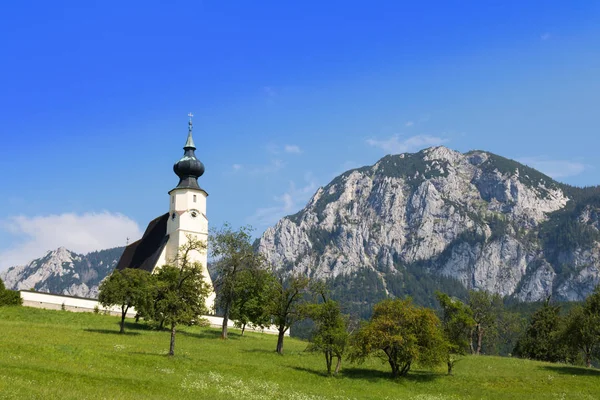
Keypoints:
pixel 186 217
pixel 187 209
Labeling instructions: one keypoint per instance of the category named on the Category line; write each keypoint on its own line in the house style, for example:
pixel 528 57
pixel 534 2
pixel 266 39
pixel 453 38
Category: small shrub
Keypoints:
pixel 62 307
pixel 96 309
pixel 10 298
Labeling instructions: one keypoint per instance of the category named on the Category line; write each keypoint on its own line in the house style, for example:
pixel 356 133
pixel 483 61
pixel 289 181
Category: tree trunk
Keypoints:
pixel 328 359
pixel 588 359
pixel 405 369
pixel 280 340
pixel 172 346
pixel 450 365
pixel 243 329
pixel 338 365
pixel 225 321
pixel 471 341
pixel 123 314
pixel 479 338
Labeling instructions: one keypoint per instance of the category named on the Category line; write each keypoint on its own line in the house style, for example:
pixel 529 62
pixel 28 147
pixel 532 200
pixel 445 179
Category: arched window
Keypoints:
pixel 194 198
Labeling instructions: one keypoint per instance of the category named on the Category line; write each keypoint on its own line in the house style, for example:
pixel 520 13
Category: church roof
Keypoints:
pixel 144 253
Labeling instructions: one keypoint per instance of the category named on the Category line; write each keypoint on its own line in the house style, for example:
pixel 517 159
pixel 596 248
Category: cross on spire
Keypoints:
pixel 190 123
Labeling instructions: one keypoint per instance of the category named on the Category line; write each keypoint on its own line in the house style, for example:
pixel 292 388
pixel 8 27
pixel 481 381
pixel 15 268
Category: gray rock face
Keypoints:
pixel 63 272
pixel 474 217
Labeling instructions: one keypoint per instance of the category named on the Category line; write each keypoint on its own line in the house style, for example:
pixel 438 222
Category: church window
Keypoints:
pixel 172 199
pixel 194 198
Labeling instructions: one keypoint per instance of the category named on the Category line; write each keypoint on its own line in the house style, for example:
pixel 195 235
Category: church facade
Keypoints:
pixel 187 216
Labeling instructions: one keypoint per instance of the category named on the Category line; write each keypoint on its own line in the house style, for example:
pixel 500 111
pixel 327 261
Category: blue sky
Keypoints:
pixel 286 96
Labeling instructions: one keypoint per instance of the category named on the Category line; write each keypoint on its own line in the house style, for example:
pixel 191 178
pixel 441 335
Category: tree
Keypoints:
pixel 181 290
pixel 331 332
pixel 542 339
pixel 457 322
pixel 582 328
pixel 251 296
pixel 401 334
pixel 284 304
pixel 233 253
pixel 9 297
pixel 485 307
pixel 127 288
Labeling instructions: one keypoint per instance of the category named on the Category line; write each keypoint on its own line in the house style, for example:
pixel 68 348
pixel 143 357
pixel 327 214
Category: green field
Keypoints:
pixel 58 354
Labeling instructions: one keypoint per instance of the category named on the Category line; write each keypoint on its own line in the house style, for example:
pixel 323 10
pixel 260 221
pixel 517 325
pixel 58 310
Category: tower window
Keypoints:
pixel 194 198
pixel 172 199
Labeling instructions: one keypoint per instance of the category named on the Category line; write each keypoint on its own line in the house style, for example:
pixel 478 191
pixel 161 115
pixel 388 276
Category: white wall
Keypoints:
pixel 78 304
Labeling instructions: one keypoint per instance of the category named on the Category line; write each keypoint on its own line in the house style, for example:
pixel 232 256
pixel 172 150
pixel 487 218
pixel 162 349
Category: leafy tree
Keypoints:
pixel 401 334
pixel 9 297
pixel 542 340
pixel 233 253
pixel 127 288
pixel 251 296
pixel 582 328
pixel 181 290
pixel 457 322
pixel 331 332
pixel 485 308
pixel 284 304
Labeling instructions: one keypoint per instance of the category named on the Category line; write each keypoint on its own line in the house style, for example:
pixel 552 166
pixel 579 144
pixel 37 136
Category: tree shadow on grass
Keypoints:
pixel 570 370
pixel 140 326
pixel 209 334
pixel 112 332
pixel 376 375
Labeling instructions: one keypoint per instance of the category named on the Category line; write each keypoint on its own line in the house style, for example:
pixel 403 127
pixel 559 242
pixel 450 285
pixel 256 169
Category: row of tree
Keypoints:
pixel 400 332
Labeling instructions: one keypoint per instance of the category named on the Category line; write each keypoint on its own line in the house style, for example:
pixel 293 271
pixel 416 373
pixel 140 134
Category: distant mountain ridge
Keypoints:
pixel 62 271
pixel 415 221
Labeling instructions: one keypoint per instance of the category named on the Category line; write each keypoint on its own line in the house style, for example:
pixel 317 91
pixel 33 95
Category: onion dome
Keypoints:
pixel 189 168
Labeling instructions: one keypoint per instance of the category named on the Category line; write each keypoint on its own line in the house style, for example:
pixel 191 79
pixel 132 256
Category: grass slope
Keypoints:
pixel 57 354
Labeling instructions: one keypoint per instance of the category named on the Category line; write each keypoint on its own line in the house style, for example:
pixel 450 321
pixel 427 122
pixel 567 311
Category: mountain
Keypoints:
pixel 63 272
pixel 440 219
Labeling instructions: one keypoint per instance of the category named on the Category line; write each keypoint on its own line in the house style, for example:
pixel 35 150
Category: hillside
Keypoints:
pixel 62 271
pixel 90 360
pixel 440 219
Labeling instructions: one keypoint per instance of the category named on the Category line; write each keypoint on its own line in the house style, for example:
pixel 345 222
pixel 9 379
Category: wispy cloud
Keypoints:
pixel 397 144
pixel 292 148
pixel 545 36
pixel 554 168
pixel 80 233
pixel 409 124
pixel 236 167
pixel 287 203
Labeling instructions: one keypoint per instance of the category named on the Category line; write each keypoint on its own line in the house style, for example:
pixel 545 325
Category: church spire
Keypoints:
pixel 189 168
pixel 190 140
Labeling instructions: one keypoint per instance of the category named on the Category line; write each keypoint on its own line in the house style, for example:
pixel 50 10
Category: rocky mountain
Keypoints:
pixel 63 272
pixel 440 219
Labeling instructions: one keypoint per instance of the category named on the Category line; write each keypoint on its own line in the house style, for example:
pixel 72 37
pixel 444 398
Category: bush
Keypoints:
pixel 10 298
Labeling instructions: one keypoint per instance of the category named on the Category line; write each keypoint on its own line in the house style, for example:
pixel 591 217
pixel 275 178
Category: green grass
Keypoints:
pixel 58 354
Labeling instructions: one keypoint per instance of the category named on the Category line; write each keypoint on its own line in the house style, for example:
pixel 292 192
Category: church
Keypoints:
pixel 187 216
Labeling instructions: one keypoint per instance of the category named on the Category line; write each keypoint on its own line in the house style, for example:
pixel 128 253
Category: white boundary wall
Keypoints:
pixel 79 304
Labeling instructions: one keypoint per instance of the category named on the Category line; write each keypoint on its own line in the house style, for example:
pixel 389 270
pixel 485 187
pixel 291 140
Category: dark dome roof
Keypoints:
pixel 189 168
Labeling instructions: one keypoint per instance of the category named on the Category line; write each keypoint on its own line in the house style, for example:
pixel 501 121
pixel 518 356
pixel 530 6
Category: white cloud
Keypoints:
pixel 545 36
pixel 292 148
pixel 236 167
pixel 409 123
pixel 287 203
pixel 80 233
pixel 396 144
pixel 554 168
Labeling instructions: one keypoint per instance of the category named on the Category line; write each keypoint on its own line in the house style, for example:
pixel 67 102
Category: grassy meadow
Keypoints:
pixel 57 354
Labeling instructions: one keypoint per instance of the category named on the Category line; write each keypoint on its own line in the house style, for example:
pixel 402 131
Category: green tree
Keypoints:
pixel 485 308
pixel 457 322
pixel 582 328
pixel 251 296
pixel 127 288
pixel 9 297
pixel 542 339
pixel 331 332
pixel 233 253
pixel 401 334
pixel 285 303
pixel 181 290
